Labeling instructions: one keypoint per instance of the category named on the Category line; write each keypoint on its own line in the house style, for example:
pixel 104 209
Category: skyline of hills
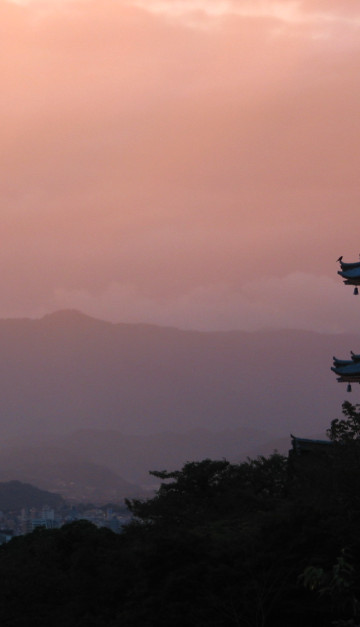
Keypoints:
pixel 68 371
pixel 129 398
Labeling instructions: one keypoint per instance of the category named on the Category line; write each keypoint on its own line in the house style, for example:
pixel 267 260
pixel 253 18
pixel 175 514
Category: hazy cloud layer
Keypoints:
pixel 191 163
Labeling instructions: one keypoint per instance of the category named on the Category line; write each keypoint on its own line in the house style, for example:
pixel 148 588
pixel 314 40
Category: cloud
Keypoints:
pixel 296 301
pixel 138 152
pixel 283 11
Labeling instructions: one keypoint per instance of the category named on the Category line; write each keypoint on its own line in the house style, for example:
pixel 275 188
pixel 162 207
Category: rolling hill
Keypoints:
pixel 134 397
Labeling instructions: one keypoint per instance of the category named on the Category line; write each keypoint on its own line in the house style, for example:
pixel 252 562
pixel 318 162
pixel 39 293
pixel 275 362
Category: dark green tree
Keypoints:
pixel 209 490
pixel 347 429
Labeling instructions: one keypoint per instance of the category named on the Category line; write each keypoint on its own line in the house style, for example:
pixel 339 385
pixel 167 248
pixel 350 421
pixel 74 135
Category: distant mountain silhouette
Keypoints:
pixel 135 397
pixel 68 371
pixel 133 456
pixel 14 495
pixel 66 473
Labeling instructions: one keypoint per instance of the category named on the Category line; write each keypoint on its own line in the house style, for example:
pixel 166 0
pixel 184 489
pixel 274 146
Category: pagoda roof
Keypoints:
pixel 350 272
pixel 348 266
pixel 347 369
pixel 308 445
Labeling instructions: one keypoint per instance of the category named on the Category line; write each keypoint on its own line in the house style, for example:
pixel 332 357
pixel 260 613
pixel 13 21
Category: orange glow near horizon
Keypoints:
pixel 191 163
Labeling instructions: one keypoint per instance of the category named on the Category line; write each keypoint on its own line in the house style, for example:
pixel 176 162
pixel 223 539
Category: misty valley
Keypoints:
pixel 88 408
pixel 147 478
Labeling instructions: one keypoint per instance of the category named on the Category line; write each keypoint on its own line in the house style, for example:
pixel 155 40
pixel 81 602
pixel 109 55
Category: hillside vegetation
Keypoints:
pixel 268 542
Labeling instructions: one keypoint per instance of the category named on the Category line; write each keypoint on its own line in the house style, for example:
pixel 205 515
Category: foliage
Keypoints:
pixel 347 429
pixel 219 545
pixel 209 489
pixel 338 584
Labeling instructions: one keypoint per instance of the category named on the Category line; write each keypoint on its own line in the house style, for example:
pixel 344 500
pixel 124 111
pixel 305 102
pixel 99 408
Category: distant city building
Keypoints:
pixel 30 519
pixel 6 535
pixel 43 522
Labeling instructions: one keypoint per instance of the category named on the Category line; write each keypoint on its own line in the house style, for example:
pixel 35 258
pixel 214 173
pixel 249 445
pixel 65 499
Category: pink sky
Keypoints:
pixel 185 162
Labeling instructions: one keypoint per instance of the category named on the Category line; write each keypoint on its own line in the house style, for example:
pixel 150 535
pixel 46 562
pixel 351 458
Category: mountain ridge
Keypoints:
pixel 68 371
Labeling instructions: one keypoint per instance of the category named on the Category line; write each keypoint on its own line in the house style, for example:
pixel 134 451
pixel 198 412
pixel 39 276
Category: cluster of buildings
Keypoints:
pixel 15 523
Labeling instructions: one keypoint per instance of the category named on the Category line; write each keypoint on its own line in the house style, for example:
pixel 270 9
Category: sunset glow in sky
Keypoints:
pixel 194 163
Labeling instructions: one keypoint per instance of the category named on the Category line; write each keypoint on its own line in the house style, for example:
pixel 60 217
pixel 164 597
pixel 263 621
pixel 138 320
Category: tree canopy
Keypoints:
pixel 266 542
pixel 346 429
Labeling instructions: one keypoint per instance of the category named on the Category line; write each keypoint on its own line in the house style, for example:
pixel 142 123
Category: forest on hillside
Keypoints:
pixel 272 541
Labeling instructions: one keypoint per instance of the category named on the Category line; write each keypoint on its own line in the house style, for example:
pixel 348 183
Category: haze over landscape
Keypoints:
pixel 129 398
pixel 178 180
pixel 189 163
